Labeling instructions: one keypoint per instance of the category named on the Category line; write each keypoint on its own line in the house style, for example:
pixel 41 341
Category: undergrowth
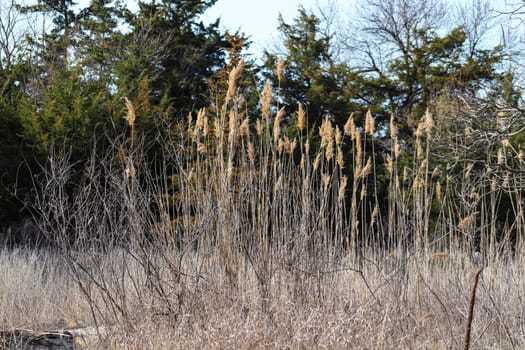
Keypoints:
pixel 243 236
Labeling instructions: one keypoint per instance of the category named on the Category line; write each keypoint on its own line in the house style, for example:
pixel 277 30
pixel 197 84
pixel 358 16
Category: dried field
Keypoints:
pixel 420 305
pixel 245 236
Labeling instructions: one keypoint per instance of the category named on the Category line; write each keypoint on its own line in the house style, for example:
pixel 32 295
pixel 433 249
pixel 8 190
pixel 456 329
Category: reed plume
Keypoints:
pixel 300 118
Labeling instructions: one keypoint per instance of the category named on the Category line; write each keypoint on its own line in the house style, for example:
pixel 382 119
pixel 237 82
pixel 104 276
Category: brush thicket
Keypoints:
pixel 243 232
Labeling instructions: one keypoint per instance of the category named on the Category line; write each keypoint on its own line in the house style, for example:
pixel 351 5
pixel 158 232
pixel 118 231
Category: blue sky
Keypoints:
pixel 257 18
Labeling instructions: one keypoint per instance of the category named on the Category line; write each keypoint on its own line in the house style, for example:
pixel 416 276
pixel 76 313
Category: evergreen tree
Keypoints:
pixel 13 176
pixel 54 46
pixel 14 73
pixel 100 39
pixel 311 76
pixel 247 84
pixel 177 52
pixel 421 63
pixel 68 113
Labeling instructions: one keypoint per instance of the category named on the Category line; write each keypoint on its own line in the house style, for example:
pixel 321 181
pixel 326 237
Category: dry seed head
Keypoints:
pixel 501 157
pixel 280 69
pixel 200 123
pixel 342 188
pixel 322 133
pixel 251 151
pixel 266 100
pixel 419 148
pixel 438 191
pixel 394 131
pixel 232 80
pixel 420 129
pixel 277 124
pixel 293 144
pixel 338 136
pixel 280 146
pixel 363 192
pixel 405 174
pixel 245 127
pixel 330 132
pixel 429 123
pixel 418 182
pixel 423 166
pixel 521 155
pixel 205 128
pixel 326 131
pixel 349 128
pixel 201 119
pixel 435 172
pixel 370 123
pixel 195 133
pixel 300 118
pixel 130 113
pixel 317 161
pixel 218 128
pixel 340 158
pixel 233 126
pixel 505 143
pixel 397 149
pixel 258 127
pixel 367 169
pixel 358 149
pixel 239 69
pixel 329 151
pixel 357 171
pixel 356 135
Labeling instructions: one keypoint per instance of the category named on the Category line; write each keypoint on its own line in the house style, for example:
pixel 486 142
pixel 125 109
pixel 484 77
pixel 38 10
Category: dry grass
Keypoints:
pixel 424 309
pixel 246 237
pixel 37 292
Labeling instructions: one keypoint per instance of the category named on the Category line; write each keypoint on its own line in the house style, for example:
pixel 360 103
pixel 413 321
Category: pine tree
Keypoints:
pixel 311 75
pixel 177 52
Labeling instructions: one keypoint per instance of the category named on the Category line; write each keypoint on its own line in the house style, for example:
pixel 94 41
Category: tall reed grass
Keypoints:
pixel 245 236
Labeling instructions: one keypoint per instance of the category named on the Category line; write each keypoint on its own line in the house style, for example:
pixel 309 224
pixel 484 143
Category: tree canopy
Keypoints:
pixel 66 85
